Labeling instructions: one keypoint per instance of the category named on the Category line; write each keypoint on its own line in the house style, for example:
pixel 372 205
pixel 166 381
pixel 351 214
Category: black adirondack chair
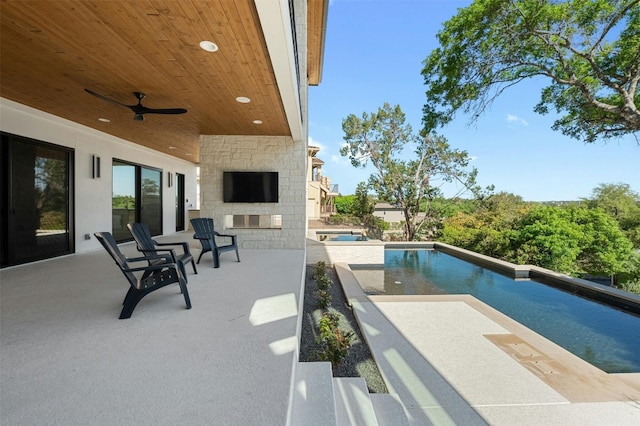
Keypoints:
pixel 148 246
pixel 206 234
pixel 153 276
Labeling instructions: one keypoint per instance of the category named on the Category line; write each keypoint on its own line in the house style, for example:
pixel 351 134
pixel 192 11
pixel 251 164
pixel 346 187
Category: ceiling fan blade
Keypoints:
pixel 104 98
pixel 165 111
pixel 139 110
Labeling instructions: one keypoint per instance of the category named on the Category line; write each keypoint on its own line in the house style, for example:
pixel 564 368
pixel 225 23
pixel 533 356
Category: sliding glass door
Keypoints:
pixel 151 199
pixel 137 197
pixel 36 200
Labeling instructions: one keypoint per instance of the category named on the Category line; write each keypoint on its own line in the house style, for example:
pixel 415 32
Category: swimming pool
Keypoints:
pixel 603 336
pixel 341 236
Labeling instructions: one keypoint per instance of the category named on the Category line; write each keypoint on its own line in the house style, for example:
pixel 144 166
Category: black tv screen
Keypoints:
pixel 250 187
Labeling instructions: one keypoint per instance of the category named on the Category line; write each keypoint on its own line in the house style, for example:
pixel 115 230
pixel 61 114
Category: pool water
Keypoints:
pixel 601 335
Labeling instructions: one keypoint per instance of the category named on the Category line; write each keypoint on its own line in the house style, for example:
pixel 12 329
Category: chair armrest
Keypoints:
pixel 185 246
pixel 157 267
pixel 225 235
pixel 172 253
pixel 165 257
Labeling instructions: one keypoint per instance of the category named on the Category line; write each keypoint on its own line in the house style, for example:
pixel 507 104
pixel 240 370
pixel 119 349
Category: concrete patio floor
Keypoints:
pixel 66 358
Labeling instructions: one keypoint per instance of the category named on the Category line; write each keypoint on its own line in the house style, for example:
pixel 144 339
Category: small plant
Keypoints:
pixel 334 343
pixel 324 282
pixel 323 297
pixel 319 270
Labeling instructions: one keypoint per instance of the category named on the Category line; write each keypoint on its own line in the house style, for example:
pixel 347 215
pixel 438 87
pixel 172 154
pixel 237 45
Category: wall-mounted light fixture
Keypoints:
pixel 95 167
pixel 169 179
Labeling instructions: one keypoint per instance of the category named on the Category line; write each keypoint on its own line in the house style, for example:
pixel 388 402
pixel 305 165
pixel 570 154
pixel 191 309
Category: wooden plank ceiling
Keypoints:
pixel 52 50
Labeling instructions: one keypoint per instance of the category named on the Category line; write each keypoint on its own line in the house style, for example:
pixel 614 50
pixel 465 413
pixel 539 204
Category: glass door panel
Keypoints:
pixel 150 200
pixel 123 204
pixel 137 197
pixel 37 201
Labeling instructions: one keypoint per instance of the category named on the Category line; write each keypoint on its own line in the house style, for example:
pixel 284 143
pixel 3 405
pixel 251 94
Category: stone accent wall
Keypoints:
pixel 331 252
pixel 256 153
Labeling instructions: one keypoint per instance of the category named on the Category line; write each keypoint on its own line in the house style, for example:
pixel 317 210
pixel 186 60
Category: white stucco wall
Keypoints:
pixel 93 196
pixel 256 153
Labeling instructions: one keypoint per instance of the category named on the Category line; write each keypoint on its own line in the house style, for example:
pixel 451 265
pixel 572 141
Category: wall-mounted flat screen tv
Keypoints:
pixel 250 187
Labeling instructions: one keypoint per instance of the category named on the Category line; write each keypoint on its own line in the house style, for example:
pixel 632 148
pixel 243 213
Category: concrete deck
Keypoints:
pixel 454 360
pixel 66 358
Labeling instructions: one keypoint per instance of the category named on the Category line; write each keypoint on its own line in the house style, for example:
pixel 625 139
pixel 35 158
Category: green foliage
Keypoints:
pixel 381 138
pixel 319 269
pixel 630 280
pixel 632 286
pixel 588 50
pixel 123 202
pixel 484 226
pixel 622 204
pixel 363 204
pixel 343 219
pixel 375 226
pixel 323 297
pixel 344 204
pixel 53 220
pixel 334 343
pixel 324 283
pixel 573 240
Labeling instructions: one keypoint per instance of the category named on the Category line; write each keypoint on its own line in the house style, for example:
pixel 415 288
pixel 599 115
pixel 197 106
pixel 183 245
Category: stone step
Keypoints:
pixel 312 401
pixel 353 402
pixel 389 410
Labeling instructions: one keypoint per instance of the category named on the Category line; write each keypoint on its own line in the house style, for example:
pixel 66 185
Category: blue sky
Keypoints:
pixel 373 54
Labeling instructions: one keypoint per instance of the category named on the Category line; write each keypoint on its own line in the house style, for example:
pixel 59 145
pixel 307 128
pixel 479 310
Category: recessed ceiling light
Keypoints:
pixel 243 99
pixel 104 120
pixel 172 147
pixel 209 46
pixel 257 121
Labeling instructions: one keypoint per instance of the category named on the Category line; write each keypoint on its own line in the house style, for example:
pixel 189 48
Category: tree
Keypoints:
pixel 381 138
pixel 363 205
pixel 572 240
pixel 344 204
pixel 489 228
pixel 589 50
pixel 621 203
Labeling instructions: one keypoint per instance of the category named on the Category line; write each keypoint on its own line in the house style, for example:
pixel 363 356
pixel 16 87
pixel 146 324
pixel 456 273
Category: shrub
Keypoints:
pixel 319 269
pixel 334 343
pixel 324 282
pixel 323 298
pixel 632 286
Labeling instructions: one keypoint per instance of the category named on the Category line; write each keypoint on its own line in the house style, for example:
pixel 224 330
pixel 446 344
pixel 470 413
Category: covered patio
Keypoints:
pixel 67 359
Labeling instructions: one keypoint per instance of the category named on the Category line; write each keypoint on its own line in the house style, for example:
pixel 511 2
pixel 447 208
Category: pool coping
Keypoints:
pixel 575 379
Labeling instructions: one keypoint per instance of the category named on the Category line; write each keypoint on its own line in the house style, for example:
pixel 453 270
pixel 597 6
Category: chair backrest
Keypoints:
pixel 142 235
pixel 203 227
pixel 110 245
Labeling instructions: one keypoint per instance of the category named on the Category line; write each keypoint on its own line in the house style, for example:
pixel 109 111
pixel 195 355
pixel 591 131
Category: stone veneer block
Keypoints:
pixel 256 153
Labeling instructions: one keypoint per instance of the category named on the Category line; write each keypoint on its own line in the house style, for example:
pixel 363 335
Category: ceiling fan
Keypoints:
pixel 139 110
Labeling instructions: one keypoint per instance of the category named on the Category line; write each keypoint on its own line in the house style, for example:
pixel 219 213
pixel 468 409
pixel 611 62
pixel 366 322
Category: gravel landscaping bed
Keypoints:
pixel 359 361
